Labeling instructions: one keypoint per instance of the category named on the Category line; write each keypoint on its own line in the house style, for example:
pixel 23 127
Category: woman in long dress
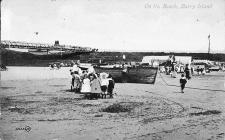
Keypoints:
pixel 86 86
pixel 187 72
pixel 77 82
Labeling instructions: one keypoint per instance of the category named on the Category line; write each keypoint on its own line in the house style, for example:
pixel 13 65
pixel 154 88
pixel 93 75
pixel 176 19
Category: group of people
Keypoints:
pixel 201 71
pixel 173 71
pixel 3 67
pixel 54 66
pixel 91 84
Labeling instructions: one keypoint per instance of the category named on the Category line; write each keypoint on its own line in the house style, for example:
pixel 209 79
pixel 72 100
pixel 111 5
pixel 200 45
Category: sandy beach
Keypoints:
pixel 47 110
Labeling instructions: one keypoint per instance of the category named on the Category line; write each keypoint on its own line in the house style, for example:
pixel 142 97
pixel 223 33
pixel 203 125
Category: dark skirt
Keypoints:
pixel 103 88
pixel 110 90
pixel 182 86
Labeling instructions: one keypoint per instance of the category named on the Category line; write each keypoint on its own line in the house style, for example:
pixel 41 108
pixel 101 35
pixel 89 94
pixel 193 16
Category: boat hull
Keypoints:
pixel 145 75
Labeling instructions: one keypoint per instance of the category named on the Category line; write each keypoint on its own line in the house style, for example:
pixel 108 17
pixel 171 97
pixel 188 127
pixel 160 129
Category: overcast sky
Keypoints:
pixel 136 25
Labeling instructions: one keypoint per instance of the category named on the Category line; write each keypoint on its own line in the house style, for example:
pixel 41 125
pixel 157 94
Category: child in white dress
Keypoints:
pixel 86 86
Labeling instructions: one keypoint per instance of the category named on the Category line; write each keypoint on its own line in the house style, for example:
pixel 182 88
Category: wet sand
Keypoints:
pixel 52 112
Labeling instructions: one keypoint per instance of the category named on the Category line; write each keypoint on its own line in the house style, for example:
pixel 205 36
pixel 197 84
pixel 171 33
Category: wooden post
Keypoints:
pixel 209 47
pixel 0 38
pixel 0 32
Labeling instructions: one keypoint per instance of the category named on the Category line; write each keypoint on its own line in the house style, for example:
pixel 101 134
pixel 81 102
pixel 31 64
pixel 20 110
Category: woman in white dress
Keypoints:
pixel 95 86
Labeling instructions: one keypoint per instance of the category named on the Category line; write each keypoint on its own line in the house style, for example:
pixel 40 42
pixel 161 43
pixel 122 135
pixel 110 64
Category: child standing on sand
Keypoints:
pixel 110 86
pixel 86 86
pixel 183 81
pixel 104 84
pixel 95 86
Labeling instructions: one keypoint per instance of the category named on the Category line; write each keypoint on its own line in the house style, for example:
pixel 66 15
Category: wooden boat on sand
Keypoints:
pixel 140 74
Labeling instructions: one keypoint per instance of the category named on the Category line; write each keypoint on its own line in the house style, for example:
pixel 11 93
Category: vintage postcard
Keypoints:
pixel 112 70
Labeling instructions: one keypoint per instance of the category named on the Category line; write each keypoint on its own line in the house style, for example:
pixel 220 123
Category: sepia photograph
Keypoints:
pixel 112 70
